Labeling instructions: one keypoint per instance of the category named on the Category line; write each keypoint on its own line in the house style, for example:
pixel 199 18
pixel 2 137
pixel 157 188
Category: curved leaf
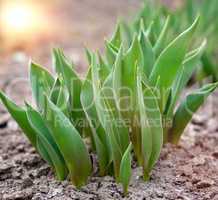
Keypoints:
pixel 47 142
pixel 148 54
pixel 189 65
pixel 162 37
pixel 170 62
pixel 72 81
pixel 186 110
pixel 116 39
pixel 70 144
pixel 125 169
pixel 155 124
pixel 110 52
pixel 19 115
pixel 146 135
pixel 106 119
pixel 41 82
pixel 98 133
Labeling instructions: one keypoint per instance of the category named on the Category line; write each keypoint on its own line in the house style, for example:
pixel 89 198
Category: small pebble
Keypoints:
pixel 27 182
pixel 205 184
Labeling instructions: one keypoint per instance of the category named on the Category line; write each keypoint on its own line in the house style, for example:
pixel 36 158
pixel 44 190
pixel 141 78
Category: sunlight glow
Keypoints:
pixel 24 23
pixel 19 18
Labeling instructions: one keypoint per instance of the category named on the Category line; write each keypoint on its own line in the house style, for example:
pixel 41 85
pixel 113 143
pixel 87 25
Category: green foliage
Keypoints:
pixel 181 17
pixel 125 169
pixel 123 102
pixel 186 109
pixel 208 27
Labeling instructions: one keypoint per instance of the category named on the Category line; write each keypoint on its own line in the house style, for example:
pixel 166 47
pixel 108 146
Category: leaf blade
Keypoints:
pixel 19 115
pixel 47 142
pixel 70 144
pixel 186 109
pixel 125 169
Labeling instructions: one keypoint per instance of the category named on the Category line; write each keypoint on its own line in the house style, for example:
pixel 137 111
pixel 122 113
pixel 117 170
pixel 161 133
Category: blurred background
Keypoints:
pixel 30 28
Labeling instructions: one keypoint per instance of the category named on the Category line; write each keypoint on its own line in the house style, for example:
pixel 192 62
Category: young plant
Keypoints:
pixel 208 28
pixel 50 128
pixel 123 103
pixel 181 17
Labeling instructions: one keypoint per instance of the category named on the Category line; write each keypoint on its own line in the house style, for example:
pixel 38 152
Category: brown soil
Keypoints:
pixel 188 171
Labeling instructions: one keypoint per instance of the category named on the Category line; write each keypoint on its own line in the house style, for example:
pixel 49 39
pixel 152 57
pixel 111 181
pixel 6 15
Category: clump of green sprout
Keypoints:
pixel 123 101
pixel 208 27
pixel 181 17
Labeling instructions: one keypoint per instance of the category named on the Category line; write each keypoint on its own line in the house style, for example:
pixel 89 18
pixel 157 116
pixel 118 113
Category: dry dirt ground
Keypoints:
pixel 188 171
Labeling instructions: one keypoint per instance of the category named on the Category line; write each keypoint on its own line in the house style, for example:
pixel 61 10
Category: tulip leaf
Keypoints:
pixel 99 135
pixel 111 52
pixel 189 65
pixel 187 108
pixel 125 169
pixel 72 81
pixel 104 70
pixel 54 93
pixel 41 83
pixel 106 119
pixel 158 47
pixel 19 115
pixel 133 55
pixel 70 144
pixel 146 135
pixel 170 63
pixel 47 142
pixel 148 53
pixel 116 39
pixel 42 150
